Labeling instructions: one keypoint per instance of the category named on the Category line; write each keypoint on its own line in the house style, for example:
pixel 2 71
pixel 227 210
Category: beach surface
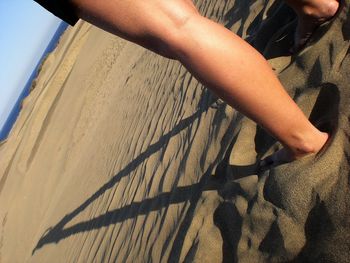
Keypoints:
pixel 120 155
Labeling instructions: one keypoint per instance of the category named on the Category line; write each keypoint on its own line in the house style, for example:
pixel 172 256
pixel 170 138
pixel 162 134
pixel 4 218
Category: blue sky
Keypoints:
pixel 25 31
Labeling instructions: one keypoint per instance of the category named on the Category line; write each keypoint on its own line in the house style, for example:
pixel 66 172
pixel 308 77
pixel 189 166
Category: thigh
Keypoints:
pixel 136 20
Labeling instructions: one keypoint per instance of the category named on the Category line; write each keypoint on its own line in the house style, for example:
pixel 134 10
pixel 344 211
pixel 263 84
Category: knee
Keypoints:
pixel 169 36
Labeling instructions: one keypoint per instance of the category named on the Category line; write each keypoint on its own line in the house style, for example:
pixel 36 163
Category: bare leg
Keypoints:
pixel 311 14
pixel 216 56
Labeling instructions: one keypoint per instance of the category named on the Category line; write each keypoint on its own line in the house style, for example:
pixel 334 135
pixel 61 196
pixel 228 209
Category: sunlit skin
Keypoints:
pixel 218 58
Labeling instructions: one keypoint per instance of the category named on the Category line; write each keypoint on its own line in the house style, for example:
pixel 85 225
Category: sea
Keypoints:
pixel 17 108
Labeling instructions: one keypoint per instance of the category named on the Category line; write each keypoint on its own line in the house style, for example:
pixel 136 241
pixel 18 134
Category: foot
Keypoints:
pixel 311 14
pixel 287 155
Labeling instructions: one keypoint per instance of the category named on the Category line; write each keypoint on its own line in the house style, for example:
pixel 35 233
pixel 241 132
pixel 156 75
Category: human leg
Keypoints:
pixel 311 14
pixel 217 57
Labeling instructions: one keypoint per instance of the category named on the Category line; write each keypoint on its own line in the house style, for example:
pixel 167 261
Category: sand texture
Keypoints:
pixel 120 155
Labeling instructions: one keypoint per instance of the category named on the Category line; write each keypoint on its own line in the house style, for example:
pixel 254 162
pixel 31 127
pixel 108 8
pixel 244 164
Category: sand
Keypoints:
pixel 119 155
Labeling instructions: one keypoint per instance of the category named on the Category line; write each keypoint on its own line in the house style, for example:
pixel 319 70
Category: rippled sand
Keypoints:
pixel 120 155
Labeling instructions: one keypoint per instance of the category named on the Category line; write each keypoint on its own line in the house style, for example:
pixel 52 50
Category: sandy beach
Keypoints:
pixel 120 155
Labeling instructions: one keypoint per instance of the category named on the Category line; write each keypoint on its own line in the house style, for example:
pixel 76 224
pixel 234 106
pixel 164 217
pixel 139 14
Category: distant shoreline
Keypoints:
pixel 11 119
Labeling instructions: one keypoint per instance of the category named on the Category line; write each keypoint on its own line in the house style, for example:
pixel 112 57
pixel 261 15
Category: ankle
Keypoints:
pixel 308 144
pixel 289 154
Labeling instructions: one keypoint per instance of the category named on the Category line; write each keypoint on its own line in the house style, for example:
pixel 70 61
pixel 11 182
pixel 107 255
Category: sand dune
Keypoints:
pixel 120 155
